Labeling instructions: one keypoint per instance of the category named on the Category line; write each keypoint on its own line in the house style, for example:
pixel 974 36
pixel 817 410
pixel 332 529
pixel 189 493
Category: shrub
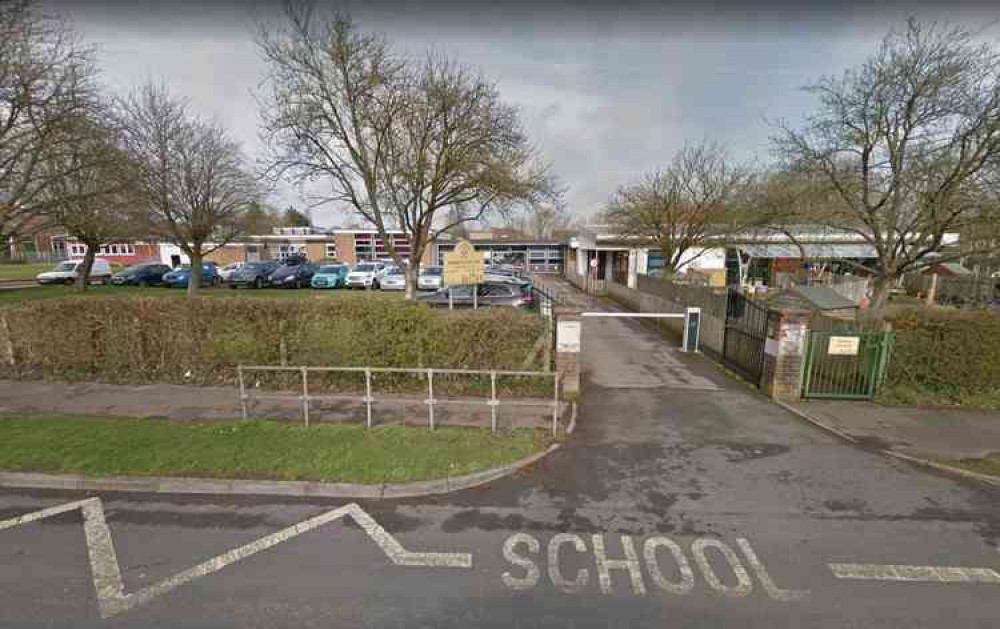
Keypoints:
pixel 942 356
pixel 136 340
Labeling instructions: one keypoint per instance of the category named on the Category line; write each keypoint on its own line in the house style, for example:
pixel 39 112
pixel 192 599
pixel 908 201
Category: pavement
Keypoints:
pixel 170 401
pixel 670 506
pixel 937 434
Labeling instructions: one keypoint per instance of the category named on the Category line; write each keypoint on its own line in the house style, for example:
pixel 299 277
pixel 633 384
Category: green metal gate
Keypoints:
pixel 846 365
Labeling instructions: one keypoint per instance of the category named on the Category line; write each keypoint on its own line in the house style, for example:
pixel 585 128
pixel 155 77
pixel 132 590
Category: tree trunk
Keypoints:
pixel 194 281
pixel 411 271
pixel 83 271
pixel 880 295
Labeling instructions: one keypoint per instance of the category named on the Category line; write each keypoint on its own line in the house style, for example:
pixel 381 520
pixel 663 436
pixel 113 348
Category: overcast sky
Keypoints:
pixel 606 90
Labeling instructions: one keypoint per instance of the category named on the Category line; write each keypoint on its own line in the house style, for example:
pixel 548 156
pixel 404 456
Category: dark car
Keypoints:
pixel 150 274
pixel 253 274
pixel 294 272
pixel 181 276
pixel 488 294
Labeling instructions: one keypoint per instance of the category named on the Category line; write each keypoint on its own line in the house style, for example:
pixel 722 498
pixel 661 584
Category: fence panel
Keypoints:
pixel 842 365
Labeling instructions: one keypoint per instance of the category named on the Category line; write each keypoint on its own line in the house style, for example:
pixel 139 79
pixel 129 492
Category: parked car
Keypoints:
pixel 148 274
pixel 294 272
pixel 253 274
pixel 393 279
pixel 226 272
pixel 330 276
pixel 181 276
pixel 66 272
pixel 365 275
pixel 430 278
pixel 488 294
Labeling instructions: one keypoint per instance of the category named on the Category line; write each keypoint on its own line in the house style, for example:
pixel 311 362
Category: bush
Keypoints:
pixel 945 357
pixel 136 340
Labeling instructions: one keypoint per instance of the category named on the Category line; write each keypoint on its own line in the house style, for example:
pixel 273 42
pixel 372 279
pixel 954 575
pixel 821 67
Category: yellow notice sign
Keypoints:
pixel 464 265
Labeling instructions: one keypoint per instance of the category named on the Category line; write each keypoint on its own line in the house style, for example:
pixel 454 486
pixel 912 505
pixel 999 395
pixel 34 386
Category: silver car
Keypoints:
pixel 430 278
pixel 365 275
pixel 392 279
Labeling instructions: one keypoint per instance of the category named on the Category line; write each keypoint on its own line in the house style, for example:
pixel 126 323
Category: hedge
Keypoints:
pixel 945 357
pixel 139 340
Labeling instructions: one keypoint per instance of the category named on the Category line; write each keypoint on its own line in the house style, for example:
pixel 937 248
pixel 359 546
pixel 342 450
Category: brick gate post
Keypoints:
pixel 785 353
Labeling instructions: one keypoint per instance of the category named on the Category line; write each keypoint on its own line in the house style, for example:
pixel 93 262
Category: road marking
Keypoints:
pixel 521 549
pixel 106 571
pixel 933 574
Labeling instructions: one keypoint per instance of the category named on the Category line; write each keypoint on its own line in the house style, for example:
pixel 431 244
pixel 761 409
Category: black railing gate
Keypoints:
pixel 744 336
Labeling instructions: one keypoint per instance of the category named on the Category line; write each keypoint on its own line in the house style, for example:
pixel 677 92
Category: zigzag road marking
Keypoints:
pixel 106 571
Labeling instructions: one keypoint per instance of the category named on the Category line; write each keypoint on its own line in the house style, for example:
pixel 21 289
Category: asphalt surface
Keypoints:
pixel 730 509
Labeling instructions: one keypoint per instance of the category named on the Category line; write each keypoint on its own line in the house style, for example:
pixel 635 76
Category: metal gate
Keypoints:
pixel 844 365
pixel 744 336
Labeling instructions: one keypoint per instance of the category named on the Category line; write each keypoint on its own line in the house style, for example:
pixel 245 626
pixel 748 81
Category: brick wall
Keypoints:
pixel 784 356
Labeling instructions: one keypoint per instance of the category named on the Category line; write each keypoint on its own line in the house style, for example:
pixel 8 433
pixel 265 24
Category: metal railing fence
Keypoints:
pixel 431 401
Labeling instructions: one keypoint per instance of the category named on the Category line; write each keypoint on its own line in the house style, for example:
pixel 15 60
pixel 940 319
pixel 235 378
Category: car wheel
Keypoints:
pixel 375 285
pixel 258 283
pixel 69 281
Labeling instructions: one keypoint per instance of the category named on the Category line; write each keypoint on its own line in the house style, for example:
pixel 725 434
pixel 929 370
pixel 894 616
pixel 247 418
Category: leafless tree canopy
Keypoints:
pixel 191 176
pixel 46 81
pixel 91 194
pixel 903 144
pixel 404 144
pixel 543 221
pixel 697 200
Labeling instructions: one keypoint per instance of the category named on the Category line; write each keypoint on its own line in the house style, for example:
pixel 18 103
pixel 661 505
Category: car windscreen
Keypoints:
pixel 135 268
pixel 365 268
pixel 431 270
pixel 66 266
pixel 395 272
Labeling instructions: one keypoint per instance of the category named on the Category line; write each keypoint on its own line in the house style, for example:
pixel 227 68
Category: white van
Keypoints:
pixel 65 272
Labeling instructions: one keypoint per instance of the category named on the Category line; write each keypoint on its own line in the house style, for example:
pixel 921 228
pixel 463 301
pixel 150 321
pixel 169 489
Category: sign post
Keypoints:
pixel 462 267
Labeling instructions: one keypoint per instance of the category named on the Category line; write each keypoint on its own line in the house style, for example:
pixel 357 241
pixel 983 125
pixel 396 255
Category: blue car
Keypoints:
pixel 179 277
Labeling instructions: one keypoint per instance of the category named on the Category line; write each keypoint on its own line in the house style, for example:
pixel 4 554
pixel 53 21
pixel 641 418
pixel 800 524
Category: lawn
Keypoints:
pixel 254 449
pixel 45 292
pixel 23 271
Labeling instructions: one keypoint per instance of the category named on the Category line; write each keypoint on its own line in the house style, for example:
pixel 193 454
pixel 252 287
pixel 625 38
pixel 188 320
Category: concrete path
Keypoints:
pixel 939 434
pixel 688 507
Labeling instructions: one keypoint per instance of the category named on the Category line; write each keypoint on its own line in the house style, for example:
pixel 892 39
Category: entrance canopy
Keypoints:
pixel 812 250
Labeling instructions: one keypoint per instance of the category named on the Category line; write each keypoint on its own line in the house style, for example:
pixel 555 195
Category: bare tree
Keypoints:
pixel 46 81
pixel 901 144
pixel 190 175
pixel 91 193
pixel 403 144
pixel 542 221
pixel 696 202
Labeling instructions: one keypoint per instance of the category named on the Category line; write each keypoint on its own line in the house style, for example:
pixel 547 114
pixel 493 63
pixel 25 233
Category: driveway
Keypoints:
pixel 684 499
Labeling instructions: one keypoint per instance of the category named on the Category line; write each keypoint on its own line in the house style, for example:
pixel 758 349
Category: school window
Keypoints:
pixel 331 250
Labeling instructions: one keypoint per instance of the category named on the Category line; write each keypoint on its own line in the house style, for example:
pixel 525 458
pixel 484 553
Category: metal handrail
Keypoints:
pixel 493 402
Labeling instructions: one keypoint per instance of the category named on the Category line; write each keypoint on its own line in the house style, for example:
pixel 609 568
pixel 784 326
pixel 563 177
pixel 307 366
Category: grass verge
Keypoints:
pixel 987 465
pixel 254 449
pixel 23 271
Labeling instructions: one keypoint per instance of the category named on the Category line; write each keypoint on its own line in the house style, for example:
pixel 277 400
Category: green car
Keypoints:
pixel 330 276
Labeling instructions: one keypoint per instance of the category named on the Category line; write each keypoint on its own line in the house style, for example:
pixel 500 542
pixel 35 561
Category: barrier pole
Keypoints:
pixel 305 395
pixel 243 392
pixel 368 395
pixel 430 397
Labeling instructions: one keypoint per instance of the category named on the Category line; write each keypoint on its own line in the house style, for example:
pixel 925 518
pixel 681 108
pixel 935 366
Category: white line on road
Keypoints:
pixel 110 587
pixel 893 572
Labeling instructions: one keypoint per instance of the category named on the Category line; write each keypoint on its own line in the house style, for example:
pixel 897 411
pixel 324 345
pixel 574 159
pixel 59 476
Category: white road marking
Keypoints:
pixel 778 594
pixel 531 572
pixel 686 583
pixel 106 573
pixel 630 563
pixel 555 575
pixel 934 574
pixel 743 585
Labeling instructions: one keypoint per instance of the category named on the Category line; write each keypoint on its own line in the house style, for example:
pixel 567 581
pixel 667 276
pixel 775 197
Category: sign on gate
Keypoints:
pixel 843 346
pixel 463 265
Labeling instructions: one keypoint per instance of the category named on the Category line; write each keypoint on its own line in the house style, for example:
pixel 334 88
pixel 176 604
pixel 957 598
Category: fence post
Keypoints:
pixel 305 395
pixel 368 395
pixel 243 392
pixel 430 396
pixel 555 405
pixel 493 398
